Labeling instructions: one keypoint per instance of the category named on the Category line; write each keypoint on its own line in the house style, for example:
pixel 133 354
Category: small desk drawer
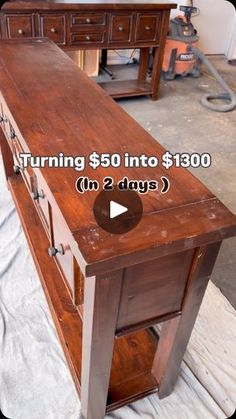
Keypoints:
pixel 54 28
pixel 121 28
pixel 87 38
pixel 60 241
pixel 19 26
pixel 147 28
pixel 85 19
pixel 41 202
pixel 27 173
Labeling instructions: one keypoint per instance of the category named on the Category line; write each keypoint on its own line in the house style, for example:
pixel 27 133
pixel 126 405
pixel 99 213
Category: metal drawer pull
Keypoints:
pixel 16 169
pixel 88 20
pixel 147 28
pixel 53 30
pixel 52 251
pixel 36 195
pixel 20 32
pixel 121 29
pixel 87 38
pixel 12 135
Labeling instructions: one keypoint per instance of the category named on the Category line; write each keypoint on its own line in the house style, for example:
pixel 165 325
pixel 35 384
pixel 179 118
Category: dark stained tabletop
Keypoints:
pixel 58 108
pixel 78 4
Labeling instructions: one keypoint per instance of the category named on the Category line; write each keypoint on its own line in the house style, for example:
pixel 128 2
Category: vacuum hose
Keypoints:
pixel 228 95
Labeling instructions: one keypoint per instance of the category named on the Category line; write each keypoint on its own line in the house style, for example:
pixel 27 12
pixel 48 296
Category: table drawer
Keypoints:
pixel 147 28
pixel 41 202
pixel 54 28
pixel 6 126
pixel 27 173
pixel 19 26
pixel 120 28
pixel 60 239
pixel 87 38
pixel 86 19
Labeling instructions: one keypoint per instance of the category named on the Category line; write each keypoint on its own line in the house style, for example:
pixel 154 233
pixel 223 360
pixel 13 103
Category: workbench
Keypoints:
pixel 97 24
pixel 105 291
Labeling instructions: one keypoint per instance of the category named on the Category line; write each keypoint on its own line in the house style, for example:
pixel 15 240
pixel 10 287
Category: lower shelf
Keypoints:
pixel 131 377
pixel 125 88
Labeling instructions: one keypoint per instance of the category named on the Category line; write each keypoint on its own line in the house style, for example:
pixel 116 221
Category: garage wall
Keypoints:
pixel 215 25
pixel 230 51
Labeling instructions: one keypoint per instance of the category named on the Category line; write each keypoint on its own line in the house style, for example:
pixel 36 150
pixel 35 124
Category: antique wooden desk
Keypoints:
pixel 97 24
pixel 105 291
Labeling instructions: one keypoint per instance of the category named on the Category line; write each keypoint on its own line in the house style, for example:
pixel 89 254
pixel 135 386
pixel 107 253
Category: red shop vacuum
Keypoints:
pixel 182 58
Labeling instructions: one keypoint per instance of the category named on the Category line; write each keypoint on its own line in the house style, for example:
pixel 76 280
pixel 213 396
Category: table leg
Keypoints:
pixel 158 56
pixel 6 155
pixel 175 333
pixel 156 73
pixel 143 63
pixel 101 304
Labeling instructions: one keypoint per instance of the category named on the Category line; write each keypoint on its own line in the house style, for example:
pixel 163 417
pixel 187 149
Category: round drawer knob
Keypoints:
pixel 88 20
pixel 12 135
pixel 87 38
pixel 53 30
pixel 147 28
pixel 16 169
pixel 52 251
pixel 20 32
pixel 121 29
pixel 38 194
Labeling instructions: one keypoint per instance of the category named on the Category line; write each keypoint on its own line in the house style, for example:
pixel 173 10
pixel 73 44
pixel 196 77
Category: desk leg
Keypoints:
pixel 6 155
pixel 101 304
pixel 143 63
pixel 159 55
pixel 156 72
pixel 175 333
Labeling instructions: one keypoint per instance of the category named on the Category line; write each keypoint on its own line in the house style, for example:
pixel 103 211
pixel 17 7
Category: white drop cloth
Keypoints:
pixel 35 382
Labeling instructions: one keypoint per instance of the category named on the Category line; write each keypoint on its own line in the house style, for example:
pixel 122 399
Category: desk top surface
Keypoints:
pixel 78 4
pixel 58 108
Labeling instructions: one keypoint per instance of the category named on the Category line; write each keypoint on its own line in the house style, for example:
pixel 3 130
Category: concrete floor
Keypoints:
pixel 181 124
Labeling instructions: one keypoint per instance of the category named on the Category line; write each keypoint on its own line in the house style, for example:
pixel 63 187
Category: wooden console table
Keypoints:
pixel 105 291
pixel 97 24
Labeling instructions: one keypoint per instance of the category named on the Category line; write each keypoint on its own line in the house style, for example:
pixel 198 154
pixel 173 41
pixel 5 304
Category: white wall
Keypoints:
pixel 215 25
pixel 230 50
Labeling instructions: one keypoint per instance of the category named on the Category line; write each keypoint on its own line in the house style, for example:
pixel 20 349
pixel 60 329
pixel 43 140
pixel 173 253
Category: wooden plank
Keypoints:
pixel 126 88
pixel 100 5
pixel 171 231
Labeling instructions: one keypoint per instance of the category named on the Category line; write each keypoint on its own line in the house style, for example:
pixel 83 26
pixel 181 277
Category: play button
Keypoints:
pixel 118 211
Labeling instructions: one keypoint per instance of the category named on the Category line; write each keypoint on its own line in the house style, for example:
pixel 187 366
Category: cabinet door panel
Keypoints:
pixel 153 289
